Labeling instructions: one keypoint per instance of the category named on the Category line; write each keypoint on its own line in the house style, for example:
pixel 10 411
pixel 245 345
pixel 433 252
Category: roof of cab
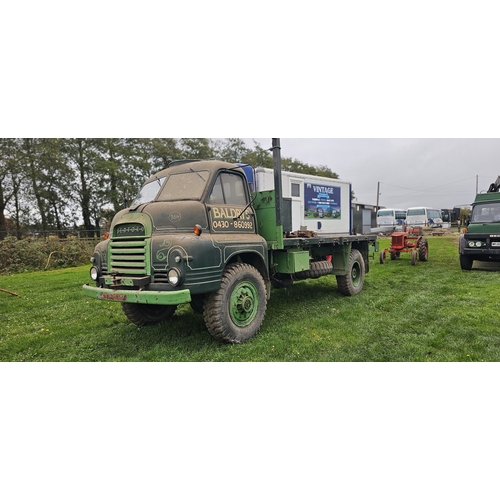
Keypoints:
pixel 194 165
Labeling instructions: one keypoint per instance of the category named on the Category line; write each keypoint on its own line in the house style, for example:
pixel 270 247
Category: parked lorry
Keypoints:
pixel 481 239
pixel 218 235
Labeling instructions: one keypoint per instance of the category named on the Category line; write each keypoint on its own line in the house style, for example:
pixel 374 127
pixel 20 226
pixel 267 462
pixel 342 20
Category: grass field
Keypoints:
pixel 433 311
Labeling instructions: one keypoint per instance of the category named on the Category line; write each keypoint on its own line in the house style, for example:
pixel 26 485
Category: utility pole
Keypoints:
pixel 378 193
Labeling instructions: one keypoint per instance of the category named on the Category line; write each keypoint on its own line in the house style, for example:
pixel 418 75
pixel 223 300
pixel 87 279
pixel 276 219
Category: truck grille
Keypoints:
pixel 129 256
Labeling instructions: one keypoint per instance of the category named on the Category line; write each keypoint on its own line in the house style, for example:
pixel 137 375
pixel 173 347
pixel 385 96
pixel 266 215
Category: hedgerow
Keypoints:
pixel 17 256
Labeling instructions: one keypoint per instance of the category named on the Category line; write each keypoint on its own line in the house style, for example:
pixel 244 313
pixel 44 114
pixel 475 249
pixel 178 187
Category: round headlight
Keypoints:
pixel 478 243
pixel 472 243
pixel 94 273
pixel 174 276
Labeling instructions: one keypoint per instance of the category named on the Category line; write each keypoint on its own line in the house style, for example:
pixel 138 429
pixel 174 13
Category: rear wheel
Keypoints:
pixel 235 312
pixel 352 282
pixel 147 314
pixel 466 262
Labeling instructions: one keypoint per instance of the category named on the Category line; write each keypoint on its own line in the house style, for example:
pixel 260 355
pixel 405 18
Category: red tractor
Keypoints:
pixel 410 241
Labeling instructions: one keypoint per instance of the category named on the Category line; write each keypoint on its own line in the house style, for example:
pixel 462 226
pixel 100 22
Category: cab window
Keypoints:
pixel 229 189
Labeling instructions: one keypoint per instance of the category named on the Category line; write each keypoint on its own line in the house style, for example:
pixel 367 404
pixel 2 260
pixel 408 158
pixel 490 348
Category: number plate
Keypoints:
pixel 113 296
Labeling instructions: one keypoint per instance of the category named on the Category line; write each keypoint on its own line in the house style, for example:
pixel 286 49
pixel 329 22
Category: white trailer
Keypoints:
pixel 319 204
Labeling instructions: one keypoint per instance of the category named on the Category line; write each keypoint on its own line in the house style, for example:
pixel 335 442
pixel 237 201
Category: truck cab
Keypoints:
pixel 188 223
pixel 481 241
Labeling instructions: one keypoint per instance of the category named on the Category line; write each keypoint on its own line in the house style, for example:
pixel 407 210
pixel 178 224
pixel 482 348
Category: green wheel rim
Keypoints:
pixel 244 304
pixel 356 274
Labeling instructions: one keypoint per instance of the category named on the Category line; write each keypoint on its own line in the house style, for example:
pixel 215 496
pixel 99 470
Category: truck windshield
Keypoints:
pixel 487 212
pixel 149 191
pixel 185 186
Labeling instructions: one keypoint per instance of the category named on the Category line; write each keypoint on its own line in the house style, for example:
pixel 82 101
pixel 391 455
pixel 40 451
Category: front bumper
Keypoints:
pixel 482 253
pixel 139 297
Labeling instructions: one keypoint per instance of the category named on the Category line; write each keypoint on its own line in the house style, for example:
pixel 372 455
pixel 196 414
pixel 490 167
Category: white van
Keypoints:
pixel 391 217
pixel 424 217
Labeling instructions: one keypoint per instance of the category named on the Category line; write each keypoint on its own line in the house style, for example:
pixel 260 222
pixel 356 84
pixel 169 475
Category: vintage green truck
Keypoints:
pixel 218 235
pixel 481 241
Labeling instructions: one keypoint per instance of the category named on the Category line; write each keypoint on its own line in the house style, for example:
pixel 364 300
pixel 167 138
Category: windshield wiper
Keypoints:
pixel 196 172
pixel 244 210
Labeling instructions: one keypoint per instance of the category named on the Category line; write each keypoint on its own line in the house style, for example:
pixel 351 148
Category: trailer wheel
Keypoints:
pixel 147 314
pixel 352 282
pixel 382 257
pixel 466 262
pixel 423 250
pixel 235 312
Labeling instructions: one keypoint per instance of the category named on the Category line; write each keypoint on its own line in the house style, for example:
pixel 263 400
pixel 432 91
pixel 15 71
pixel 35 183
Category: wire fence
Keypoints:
pixel 38 234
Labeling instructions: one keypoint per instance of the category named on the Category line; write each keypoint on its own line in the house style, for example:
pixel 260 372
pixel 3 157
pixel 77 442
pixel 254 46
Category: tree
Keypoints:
pixel 9 175
pixel 258 157
pixel 81 156
pixel 196 149
pixel 231 150
pixel 158 152
pixel 54 175
pixel 124 165
pixel 293 165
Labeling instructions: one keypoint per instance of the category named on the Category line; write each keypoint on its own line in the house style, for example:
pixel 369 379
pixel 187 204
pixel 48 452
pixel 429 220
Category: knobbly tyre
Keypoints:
pixel 218 235
pixel 481 241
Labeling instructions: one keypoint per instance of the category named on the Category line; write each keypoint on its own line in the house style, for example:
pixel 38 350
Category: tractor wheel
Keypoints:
pixel 382 257
pixel 147 314
pixel 466 262
pixel 395 255
pixel 414 258
pixel 235 312
pixel 352 282
pixel 423 250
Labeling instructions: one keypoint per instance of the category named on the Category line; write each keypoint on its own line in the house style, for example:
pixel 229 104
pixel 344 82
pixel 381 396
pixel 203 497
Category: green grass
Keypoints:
pixel 429 312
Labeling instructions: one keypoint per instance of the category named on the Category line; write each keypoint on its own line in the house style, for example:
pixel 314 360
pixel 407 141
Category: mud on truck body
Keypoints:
pixel 218 235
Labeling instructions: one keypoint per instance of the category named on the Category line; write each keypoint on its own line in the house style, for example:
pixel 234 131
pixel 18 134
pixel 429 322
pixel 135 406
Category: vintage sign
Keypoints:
pixel 321 201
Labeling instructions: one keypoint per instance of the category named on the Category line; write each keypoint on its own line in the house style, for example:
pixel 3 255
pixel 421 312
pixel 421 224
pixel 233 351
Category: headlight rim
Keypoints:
pixel 94 276
pixel 176 278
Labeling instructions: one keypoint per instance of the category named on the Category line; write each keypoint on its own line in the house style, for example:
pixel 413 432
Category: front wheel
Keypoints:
pixel 235 312
pixel 352 282
pixel 466 262
pixel 395 255
pixel 414 258
pixel 147 314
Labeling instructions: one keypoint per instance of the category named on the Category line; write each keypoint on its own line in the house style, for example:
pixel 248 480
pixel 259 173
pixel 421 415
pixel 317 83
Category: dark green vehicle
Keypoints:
pixel 200 232
pixel 481 241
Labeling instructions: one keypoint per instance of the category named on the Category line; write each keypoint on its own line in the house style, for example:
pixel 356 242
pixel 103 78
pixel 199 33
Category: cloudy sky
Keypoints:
pixel 439 173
